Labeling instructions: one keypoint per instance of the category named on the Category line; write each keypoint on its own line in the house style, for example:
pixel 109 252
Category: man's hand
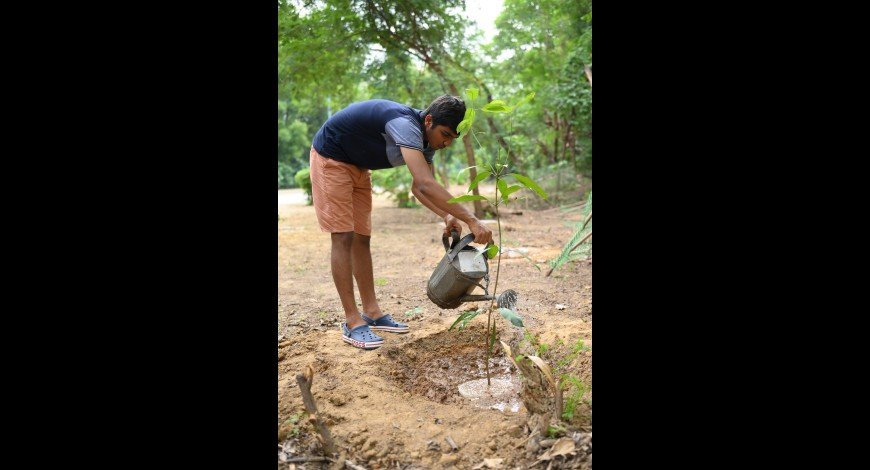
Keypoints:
pixel 451 223
pixel 482 234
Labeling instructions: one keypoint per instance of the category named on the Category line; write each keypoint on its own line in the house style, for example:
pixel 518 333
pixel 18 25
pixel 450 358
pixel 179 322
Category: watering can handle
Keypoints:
pixel 456 248
pixel 444 238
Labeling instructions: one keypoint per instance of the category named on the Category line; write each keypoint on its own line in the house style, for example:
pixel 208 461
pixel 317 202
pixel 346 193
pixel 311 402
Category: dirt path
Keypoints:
pixel 395 406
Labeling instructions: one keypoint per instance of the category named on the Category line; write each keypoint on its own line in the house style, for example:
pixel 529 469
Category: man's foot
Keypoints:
pixel 386 323
pixel 361 337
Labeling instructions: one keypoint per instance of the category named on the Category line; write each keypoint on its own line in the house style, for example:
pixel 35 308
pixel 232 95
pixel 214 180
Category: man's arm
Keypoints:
pixel 450 222
pixel 432 207
pixel 435 197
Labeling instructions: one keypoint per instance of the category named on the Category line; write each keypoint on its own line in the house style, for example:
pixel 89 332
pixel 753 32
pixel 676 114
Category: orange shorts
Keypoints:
pixel 342 195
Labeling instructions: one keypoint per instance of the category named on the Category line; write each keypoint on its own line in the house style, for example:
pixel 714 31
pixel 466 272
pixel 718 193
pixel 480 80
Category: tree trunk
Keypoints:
pixel 544 149
pixel 556 139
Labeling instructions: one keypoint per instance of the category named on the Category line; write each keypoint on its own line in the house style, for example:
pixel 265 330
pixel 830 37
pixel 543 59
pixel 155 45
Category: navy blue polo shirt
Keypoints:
pixel 369 134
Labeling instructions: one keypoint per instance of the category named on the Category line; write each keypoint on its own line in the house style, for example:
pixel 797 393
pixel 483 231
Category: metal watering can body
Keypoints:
pixel 461 269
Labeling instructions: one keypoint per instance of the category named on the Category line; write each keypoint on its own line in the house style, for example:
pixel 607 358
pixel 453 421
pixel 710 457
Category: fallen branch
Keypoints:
pixel 308 459
pixel 305 380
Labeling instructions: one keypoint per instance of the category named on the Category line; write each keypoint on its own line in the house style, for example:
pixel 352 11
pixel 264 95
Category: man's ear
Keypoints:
pixel 428 121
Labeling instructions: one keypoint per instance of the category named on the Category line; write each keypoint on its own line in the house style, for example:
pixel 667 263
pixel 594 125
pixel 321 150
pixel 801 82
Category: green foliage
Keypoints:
pixel 294 421
pixel 396 182
pixel 332 53
pixel 577 247
pixel 293 145
pixel 561 181
pixel 577 389
pixel 286 176
pixel 463 318
pixel 303 180
pixel 546 45
pixel 554 431
pixel 577 348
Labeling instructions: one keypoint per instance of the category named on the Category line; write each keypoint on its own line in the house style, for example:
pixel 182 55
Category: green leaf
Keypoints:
pixel 502 186
pixel 492 251
pixel 467 122
pixel 471 93
pixel 497 106
pixel 463 127
pixel 507 191
pixel 525 181
pixel 464 318
pixel 466 198
pixel 511 315
pixel 480 177
pixel 511 189
pixel 526 99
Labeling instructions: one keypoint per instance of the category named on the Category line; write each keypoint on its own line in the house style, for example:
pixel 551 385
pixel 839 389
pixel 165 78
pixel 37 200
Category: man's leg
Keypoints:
pixel 362 271
pixel 332 187
pixel 343 267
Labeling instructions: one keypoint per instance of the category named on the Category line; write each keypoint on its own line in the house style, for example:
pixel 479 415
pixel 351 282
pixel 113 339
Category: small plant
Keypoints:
pixel 294 421
pixel 499 167
pixel 578 347
pixel 574 398
pixel 554 430
pixel 413 311
pixel 381 282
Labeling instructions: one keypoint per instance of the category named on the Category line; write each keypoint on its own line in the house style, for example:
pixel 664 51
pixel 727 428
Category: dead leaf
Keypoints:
pixel 564 446
pixel 489 463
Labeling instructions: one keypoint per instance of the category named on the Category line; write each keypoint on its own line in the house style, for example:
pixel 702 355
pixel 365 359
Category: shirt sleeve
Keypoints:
pixel 406 133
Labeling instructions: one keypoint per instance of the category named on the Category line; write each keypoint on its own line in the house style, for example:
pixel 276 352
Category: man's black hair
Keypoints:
pixel 446 110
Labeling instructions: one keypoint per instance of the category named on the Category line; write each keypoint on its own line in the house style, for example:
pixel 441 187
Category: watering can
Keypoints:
pixel 460 271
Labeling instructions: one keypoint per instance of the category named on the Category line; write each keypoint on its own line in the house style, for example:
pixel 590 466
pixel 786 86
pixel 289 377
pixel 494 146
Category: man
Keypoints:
pixel 366 136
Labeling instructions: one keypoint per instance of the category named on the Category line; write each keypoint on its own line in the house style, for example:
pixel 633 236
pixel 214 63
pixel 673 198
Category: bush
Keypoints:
pixel 303 179
pixel 397 183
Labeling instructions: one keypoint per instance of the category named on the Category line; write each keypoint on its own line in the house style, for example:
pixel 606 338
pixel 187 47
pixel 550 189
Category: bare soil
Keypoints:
pixel 395 407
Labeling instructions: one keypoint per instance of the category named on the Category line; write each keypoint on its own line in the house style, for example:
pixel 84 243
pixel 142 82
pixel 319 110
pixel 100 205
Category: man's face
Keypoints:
pixel 439 136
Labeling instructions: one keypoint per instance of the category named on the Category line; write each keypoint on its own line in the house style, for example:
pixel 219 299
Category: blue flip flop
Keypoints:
pixel 386 323
pixel 361 337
